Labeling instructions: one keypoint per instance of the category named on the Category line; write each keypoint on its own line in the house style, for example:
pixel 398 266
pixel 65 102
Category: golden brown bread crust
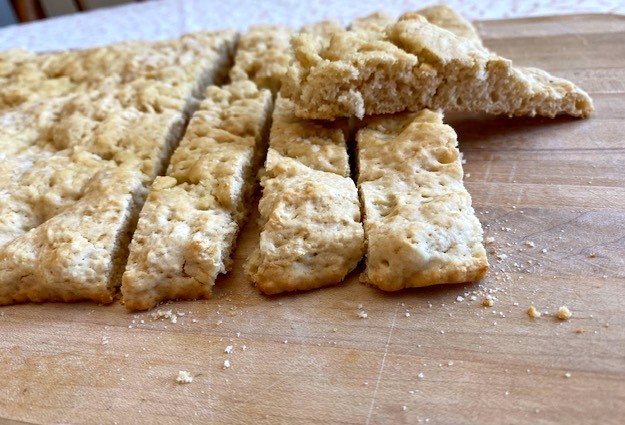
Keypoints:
pixel 263 56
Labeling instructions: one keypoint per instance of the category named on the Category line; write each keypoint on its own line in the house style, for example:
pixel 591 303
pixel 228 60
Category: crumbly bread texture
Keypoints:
pixel 188 226
pixel 82 167
pixel 263 56
pixel 311 234
pixel 372 25
pixel 323 29
pixel 419 225
pixel 414 65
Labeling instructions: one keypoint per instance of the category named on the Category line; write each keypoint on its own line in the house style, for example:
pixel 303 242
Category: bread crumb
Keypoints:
pixel 580 330
pixel 489 240
pixel 407 314
pixel 184 377
pixel 532 312
pixel 404 408
pixel 228 349
pixel 501 257
pixel 226 364
pixel 421 375
pixel 544 250
pixel 488 302
pixel 362 315
pixel 564 313
pixel 567 375
pixel 460 299
pixel 530 244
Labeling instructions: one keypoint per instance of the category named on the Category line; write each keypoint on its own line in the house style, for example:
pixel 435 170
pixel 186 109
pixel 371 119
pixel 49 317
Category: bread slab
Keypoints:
pixel 311 234
pixel 419 224
pixel 188 226
pixel 82 174
pixel 413 65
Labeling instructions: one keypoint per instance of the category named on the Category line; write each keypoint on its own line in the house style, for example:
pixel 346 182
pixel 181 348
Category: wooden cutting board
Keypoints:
pixel 550 192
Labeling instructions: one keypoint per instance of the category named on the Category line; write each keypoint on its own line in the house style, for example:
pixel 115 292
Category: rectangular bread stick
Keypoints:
pixel 188 226
pixel 419 224
pixel 311 235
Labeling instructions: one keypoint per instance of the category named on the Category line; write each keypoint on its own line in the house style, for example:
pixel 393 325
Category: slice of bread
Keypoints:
pixel 311 235
pixel 420 227
pixel 188 226
pixel 73 256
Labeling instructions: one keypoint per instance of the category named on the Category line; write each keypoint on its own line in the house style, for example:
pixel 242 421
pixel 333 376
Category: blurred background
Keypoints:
pixel 14 11
pixel 43 25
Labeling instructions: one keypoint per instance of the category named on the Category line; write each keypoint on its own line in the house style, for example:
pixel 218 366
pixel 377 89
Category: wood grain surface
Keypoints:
pixel 550 192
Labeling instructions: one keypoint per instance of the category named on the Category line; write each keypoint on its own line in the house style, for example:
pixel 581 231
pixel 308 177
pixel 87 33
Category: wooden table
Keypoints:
pixel 550 192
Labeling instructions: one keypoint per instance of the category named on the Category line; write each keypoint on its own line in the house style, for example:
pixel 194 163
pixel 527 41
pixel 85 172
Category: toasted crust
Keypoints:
pixel 419 225
pixel 188 226
pixel 415 65
pixel 311 235
pixel 372 25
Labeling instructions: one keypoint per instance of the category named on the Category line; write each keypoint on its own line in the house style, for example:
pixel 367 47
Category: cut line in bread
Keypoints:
pixel 415 64
pixel 420 227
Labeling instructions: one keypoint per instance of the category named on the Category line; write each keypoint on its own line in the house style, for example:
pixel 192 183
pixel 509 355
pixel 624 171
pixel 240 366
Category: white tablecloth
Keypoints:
pixel 168 18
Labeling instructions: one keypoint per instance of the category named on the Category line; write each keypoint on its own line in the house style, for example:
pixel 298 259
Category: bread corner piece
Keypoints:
pixel 420 227
pixel 73 256
pixel 413 65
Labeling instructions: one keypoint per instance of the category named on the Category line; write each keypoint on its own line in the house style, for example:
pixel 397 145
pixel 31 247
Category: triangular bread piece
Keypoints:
pixel 414 65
